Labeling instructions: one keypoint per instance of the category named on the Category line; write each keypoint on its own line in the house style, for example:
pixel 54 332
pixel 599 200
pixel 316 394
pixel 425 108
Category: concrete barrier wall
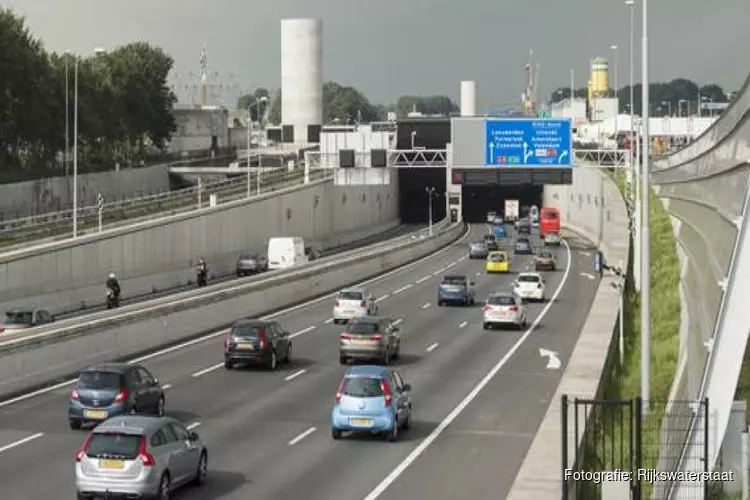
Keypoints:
pixel 161 254
pixel 68 349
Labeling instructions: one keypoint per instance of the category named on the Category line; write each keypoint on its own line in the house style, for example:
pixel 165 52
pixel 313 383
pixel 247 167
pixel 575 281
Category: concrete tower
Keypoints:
pixel 468 98
pixel 301 75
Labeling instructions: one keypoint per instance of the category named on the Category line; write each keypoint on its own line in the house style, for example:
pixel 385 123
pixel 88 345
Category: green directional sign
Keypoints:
pixel 544 114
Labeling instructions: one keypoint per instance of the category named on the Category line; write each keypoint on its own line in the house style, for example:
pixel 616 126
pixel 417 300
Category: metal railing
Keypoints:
pixel 615 158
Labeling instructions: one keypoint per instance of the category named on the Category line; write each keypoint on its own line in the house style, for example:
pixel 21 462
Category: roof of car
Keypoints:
pixel 252 322
pixel 353 289
pixel 109 367
pixel 454 277
pixel 367 371
pixel 537 275
pixel 134 424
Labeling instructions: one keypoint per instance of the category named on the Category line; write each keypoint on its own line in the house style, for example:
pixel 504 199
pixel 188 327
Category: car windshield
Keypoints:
pixel 501 300
pixel 18 318
pixel 247 331
pixel 478 246
pixel 362 387
pixel 115 445
pixel 362 328
pixel 100 380
pixel 528 278
pixel 453 280
pixel 489 237
pixel 497 257
pixel 349 295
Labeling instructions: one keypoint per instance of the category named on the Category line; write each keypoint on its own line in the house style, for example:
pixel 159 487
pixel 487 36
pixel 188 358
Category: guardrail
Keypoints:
pixel 61 349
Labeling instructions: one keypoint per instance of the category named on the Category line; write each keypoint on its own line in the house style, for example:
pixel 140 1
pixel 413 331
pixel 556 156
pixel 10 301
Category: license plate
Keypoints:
pixel 97 414
pixel 111 464
pixel 348 311
pixel 244 347
pixel 361 421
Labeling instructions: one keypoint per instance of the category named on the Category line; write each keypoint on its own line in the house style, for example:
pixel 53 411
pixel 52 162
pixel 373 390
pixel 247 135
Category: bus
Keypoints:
pixel 549 221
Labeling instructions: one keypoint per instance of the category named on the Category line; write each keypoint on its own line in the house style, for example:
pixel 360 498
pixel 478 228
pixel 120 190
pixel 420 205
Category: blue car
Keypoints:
pixel 372 399
pixel 499 231
pixel 456 289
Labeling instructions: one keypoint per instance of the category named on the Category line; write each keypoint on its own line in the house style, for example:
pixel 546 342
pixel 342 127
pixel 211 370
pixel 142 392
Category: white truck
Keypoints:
pixel 512 209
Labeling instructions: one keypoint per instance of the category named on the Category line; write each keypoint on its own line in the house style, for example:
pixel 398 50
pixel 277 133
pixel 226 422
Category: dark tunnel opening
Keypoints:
pixel 476 200
pixel 413 197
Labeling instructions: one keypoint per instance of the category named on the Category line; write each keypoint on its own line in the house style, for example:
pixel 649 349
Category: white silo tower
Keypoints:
pixel 468 98
pixel 301 75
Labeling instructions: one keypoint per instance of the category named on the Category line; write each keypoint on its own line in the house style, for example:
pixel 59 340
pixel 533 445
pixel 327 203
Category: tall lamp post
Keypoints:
pixel 614 49
pixel 430 191
pixel 255 103
pixel 67 116
pixel 645 229
pixel 634 143
pixel 75 149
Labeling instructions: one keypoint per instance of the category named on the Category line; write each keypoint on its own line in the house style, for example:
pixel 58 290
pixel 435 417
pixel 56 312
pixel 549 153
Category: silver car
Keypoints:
pixel 21 319
pixel 139 456
pixel 251 263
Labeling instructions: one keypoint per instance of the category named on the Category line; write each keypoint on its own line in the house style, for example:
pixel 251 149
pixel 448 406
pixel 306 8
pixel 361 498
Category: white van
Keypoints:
pixel 286 252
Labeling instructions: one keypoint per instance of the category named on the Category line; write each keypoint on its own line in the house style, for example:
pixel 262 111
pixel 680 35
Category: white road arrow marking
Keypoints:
pixel 588 275
pixel 553 362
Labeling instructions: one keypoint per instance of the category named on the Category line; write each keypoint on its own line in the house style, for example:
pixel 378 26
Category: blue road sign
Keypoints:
pixel 528 142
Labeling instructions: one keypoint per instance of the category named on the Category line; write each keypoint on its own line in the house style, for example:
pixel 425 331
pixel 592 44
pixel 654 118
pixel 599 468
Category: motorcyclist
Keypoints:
pixel 113 284
pixel 202 271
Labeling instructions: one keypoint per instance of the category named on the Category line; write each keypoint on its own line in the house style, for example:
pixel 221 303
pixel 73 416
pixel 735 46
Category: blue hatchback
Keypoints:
pixel 371 399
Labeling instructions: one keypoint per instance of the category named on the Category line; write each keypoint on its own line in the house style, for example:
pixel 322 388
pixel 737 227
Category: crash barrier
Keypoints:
pixel 161 254
pixel 704 188
pixel 60 350
pixel 593 208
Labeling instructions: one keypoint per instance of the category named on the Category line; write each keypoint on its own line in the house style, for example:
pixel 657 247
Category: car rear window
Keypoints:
pixel 550 215
pixel 362 328
pixel 247 331
pixel 114 445
pixel 479 244
pixel 362 387
pixel 545 255
pixel 497 257
pixel 100 380
pixel 489 237
pixel 350 296
pixel 501 300
pixel 18 318
pixel 528 278
pixel 248 256
pixel 522 244
pixel 450 280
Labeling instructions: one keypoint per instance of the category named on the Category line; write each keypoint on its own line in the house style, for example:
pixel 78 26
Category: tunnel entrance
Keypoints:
pixel 413 197
pixel 477 200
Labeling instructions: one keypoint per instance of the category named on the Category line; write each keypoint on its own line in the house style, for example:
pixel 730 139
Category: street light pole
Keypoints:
pixel 75 150
pixel 247 154
pixel 633 141
pixel 67 116
pixel 617 88
pixel 430 190
pixel 573 95
pixel 645 230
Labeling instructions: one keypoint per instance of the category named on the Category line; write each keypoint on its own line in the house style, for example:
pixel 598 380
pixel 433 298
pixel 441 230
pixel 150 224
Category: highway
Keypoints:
pixel 478 399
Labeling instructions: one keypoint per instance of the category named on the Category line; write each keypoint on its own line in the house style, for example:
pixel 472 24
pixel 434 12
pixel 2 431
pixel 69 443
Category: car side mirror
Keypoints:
pixel 193 436
pixel 407 387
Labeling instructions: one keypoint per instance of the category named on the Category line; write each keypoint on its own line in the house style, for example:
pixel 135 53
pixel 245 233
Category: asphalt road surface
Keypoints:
pixel 479 397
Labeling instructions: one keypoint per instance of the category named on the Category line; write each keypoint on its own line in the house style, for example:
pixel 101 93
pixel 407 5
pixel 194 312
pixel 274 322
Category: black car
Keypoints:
pixel 478 250
pixel 523 226
pixel 258 342
pixel 523 247
pixel 491 242
pixel 112 389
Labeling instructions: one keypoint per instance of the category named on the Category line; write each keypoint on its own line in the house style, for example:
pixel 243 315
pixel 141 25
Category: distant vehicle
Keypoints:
pixel 456 289
pixel 503 309
pixel 498 262
pixel 551 238
pixel 512 210
pixel 21 319
pixel 499 230
pixel 257 341
pixel 372 399
pixel 545 261
pixel 529 286
pixel 370 338
pixel 523 226
pixel 498 220
pixel 549 221
pixel 112 389
pixel 491 241
pixel 139 457
pixel 287 252
pixel 491 217
pixel 251 263
pixel 478 250
pixel 523 247
pixel 353 303
pixel 534 216
pixel 312 253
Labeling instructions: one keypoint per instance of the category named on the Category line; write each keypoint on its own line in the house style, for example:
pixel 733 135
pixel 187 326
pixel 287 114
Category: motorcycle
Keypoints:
pixel 202 277
pixel 113 300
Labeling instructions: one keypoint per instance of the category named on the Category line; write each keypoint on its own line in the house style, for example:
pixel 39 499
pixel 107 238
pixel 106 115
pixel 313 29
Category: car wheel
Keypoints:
pixel 397 352
pixel 288 356
pixel 75 424
pixel 228 365
pixel 440 303
pixel 165 488
pixel 392 435
pixel 202 472
pixel 273 363
pixel 335 433
pixel 343 360
pixel 160 407
pixel 486 326
pixel 407 423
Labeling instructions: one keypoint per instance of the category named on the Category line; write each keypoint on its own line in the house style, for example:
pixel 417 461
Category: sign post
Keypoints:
pixel 100 208
pixel 528 142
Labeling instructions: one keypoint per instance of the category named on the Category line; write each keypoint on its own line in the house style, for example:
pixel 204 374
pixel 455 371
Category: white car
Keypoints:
pixel 491 217
pixel 552 238
pixel 353 303
pixel 503 309
pixel 529 286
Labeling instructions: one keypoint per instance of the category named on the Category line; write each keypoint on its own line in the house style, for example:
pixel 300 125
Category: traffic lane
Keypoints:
pixel 487 443
pixel 169 365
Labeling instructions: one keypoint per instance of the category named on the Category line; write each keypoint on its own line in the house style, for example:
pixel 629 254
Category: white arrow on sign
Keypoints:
pixel 526 152
pixel 553 362
pixel 588 275
pixel 562 156
pixel 492 153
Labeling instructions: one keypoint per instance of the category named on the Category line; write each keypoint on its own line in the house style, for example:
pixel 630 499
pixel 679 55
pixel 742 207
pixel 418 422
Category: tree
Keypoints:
pixel 427 105
pixel 255 102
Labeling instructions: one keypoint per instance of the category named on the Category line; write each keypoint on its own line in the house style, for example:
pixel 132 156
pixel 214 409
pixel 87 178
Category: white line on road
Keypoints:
pixel 303 331
pixel 479 274
pixel 462 258
pixel 192 426
pixel 295 375
pixel 471 396
pixel 207 370
pixel 463 324
pixel 450 265
pixel 382 297
pixel 166 386
pixel 398 321
pixel 432 347
pixel 21 441
pixel 302 436
pixel 328 321
pixel 426 305
pixel 423 279
pixel 402 289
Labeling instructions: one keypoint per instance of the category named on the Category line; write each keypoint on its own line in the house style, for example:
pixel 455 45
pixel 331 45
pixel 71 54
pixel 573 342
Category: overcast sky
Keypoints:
pixel 392 47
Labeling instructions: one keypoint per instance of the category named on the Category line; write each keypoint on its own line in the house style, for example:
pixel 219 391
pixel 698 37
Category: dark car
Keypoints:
pixel 251 263
pixel 490 240
pixel 257 342
pixel 111 389
pixel 456 289
pixel 523 247
pixel 478 250
pixel 370 338
pixel 523 226
pixel 21 319
pixel 312 253
pixel 545 261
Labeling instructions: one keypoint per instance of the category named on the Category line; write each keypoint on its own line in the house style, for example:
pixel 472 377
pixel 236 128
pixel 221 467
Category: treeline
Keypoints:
pixel 124 104
pixel 679 95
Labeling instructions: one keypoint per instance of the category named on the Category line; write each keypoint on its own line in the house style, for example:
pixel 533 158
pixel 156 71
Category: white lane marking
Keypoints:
pixel 432 347
pixel 217 333
pixel 453 263
pixel 328 321
pixel 302 436
pixel 588 275
pixel 402 289
pixel 382 297
pixel 426 305
pixel 479 274
pixel 585 254
pixel 303 331
pixel 453 415
pixel 192 426
pixel 423 279
pixel 450 265
pixel 166 386
pixel 295 375
pixel 25 440
pixel 463 324
pixel 398 321
pixel 462 258
pixel 207 370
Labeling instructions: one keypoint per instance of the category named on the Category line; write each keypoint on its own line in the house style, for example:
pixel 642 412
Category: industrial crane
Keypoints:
pixel 529 96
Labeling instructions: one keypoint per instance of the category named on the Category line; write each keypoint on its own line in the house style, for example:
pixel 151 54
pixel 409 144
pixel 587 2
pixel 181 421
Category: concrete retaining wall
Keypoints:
pixel 65 350
pixel 161 254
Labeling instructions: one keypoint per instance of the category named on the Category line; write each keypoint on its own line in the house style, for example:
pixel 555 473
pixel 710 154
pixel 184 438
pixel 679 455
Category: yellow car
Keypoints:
pixel 498 262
